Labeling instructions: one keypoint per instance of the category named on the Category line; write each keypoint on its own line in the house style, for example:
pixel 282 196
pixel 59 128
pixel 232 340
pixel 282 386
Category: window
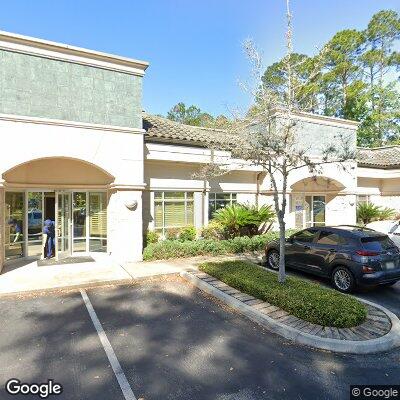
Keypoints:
pixel 220 200
pixel 173 210
pixel 330 238
pixel 97 221
pixel 14 225
pixel 315 210
pixel 79 220
pixel 35 224
pixel 377 243
pixel 306 236
pixel 362 199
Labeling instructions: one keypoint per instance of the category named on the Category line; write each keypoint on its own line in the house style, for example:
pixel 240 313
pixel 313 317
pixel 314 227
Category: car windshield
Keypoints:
pixel 377 243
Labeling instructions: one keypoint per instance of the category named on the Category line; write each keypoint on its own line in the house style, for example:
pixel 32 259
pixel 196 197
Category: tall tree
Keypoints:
pixel 378 60
pixel 268 136
pixel 191 115
pixel 305 78
pixel 357 79
pixel 342 69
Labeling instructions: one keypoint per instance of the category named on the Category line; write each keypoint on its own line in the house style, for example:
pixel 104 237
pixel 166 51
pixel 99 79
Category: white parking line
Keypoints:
pixel 116 366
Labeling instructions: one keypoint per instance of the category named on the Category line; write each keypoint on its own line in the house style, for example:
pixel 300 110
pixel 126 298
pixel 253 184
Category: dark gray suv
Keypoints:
pixel 348 255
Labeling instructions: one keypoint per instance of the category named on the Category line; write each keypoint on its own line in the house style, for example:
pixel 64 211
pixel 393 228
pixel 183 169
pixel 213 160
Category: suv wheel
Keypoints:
pixel 343 280
pixel 273 260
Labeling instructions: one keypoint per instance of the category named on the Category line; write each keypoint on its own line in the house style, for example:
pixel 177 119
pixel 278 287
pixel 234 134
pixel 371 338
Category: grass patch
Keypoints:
pixel 178 249
pixel 303 299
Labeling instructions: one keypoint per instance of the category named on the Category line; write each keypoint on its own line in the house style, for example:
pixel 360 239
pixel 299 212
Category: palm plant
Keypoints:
pixel 244 219
pixel 368 212
pixel 387 213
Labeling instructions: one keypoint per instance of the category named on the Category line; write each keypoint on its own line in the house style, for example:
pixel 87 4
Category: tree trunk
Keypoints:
pixel 282 249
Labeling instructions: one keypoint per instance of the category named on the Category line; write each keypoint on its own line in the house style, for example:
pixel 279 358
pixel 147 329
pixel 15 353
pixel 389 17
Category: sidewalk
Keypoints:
pixel 23 277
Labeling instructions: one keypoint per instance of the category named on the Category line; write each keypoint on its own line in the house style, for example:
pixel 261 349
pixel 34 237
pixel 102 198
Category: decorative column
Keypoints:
pixel 125 226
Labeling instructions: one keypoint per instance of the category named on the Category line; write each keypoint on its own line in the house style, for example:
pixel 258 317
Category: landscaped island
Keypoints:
pixel 303 299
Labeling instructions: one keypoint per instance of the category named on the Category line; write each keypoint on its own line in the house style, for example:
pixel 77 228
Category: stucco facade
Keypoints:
pixel 70 123
pixel 76 148
pixel 173 167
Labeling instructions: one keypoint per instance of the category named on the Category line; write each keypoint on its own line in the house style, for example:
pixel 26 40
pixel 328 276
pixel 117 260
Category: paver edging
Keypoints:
pixel 383 343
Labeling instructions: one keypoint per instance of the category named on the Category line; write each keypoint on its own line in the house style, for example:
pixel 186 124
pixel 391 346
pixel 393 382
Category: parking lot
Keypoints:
pixel 172 342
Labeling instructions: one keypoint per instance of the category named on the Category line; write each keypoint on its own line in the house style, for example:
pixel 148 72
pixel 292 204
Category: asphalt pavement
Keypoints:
pixel 172 342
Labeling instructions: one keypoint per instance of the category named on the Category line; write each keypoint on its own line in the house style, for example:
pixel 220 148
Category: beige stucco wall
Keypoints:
pixel 166 175
pixel 369 186
pixel 119 152
pixel 70 156
pixel 383 191
pixel 54 171
pixel 337 182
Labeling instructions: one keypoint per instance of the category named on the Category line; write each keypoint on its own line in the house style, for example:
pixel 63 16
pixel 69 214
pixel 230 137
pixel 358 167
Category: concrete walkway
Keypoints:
pixel 22 277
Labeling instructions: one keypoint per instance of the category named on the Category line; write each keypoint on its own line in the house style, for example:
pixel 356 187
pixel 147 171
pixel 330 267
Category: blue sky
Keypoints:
pixel 194 47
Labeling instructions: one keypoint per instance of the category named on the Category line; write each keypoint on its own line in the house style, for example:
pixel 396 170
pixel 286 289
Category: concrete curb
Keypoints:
pixel 383 343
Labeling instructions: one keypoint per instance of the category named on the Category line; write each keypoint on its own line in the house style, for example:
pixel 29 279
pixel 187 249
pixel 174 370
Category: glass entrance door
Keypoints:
pixel 314 211
pixel 63 225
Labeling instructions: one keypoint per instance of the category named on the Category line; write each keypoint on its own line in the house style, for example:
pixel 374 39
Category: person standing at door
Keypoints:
pixel 50 232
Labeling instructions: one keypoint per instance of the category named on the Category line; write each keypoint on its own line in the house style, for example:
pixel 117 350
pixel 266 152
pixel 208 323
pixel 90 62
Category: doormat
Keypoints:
pixel 68 260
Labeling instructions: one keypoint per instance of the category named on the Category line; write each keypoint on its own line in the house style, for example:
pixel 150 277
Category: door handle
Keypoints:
pixel 307 247
pixel 332 250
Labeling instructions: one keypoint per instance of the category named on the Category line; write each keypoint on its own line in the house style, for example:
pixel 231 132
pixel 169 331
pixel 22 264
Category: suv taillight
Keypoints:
pixel 367 253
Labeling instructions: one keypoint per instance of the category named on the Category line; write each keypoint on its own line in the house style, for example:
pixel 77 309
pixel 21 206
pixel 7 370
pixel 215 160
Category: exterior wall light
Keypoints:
pixel 131 204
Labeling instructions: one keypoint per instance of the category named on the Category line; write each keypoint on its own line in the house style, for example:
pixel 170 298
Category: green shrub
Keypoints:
pixel 244 219
pixel 177 249
pixel 187 233
pixel 152 237
pixel 214 230
pixel 303 299
pixel 387 213
pixel 368 212
pixel 172 233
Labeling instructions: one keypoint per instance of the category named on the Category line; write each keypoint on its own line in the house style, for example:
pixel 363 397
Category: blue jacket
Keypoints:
pixel 49 228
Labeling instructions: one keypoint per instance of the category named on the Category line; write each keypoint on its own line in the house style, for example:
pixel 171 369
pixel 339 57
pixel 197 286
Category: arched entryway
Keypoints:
pixel 68 192
pixel 310 199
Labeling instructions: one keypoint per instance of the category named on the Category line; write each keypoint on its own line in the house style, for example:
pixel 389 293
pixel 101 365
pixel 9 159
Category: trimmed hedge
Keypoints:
pixel 175 249
pixel 303 299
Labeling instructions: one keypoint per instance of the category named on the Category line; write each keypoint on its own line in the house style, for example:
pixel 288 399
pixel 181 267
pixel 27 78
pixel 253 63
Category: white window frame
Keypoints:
pixel 214 200
pixel 186 200
pixel 25 240
pixel 312 223
pixel 366 196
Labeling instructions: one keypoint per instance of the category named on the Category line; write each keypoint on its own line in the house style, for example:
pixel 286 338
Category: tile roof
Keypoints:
pixel 162 129
pixel 387 157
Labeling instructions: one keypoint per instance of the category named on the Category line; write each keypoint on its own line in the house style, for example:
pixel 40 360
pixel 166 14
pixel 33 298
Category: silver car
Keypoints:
pixel 389 227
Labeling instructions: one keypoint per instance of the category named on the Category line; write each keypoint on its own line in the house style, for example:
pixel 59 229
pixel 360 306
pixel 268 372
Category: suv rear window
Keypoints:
pixel 377 243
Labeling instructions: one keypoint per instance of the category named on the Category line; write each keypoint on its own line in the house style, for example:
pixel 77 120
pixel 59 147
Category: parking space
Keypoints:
pixel 52 337
pixel 172 342
pixel 386 296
